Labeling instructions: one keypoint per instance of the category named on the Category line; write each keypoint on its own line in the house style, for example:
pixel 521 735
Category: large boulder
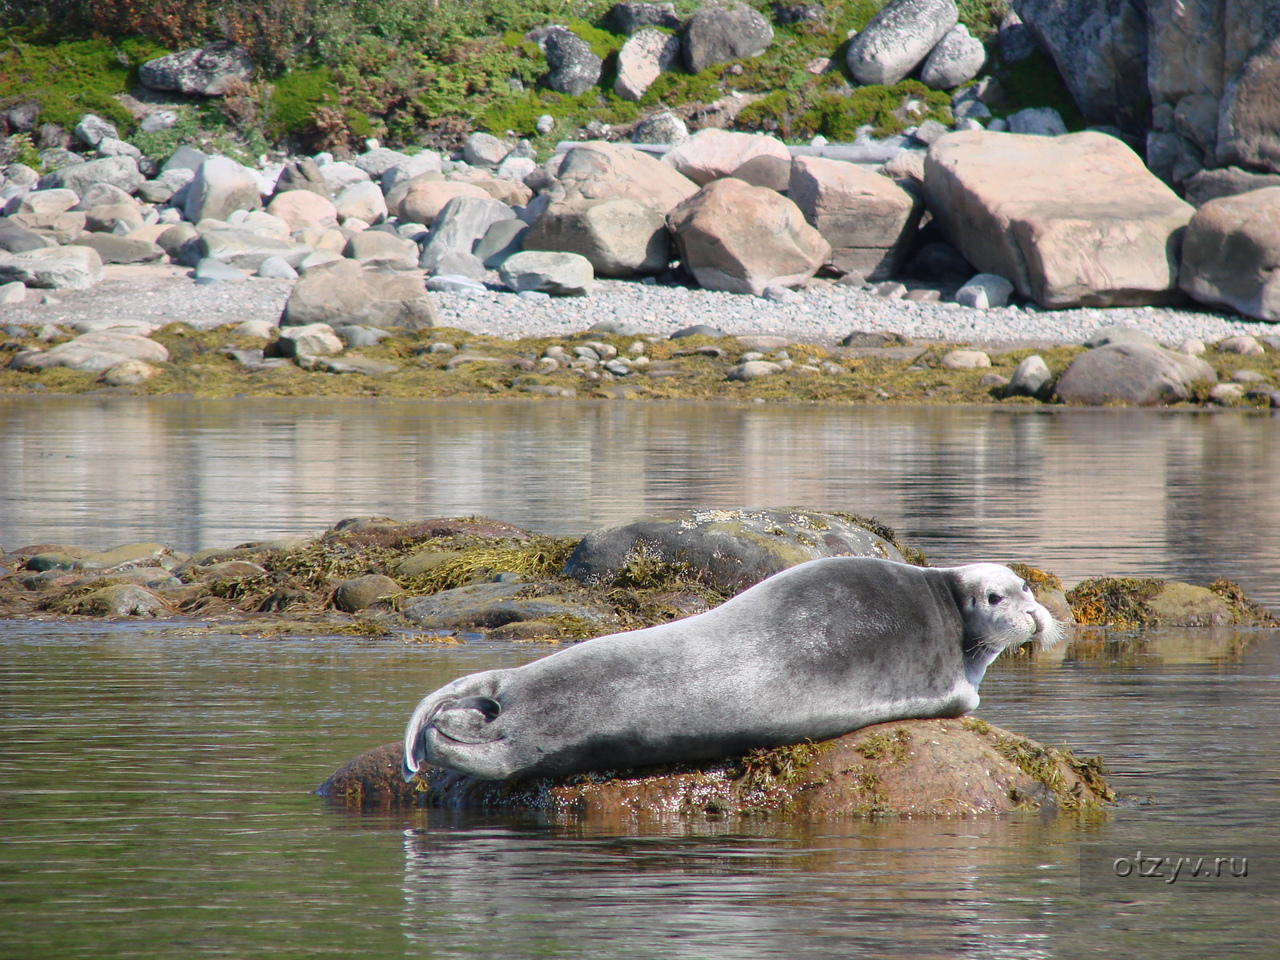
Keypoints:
pixel 303 174
pixel 599 171
pixel 1225 182
pixel 1231 254
pixel 204 72
pixel 303 209
pixel 120 172
pixel 421 199
pixel 712 153
pixel 957 59
pixel 727 550
pixel 736 237
pixel 462 222
pixel 363 201
pixel 1134 373
pixel 15 238
pixel 559 274
pixel 1075 220
pixel 868 219
pixel 629 17
pixel 220 187
pixel 1100 49
pixel 241 249
pixel 619 236
pixel 382 249
pixel 898 38
pixel 114 249
pixel 1249 113
pixel 718 34
pixel 907 768
pixel 640 61
pixel 57 268
pixel 94 352
pixel 574 68
pixel 344 292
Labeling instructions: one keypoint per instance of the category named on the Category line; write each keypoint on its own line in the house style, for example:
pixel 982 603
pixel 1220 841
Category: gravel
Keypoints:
pixel 827 311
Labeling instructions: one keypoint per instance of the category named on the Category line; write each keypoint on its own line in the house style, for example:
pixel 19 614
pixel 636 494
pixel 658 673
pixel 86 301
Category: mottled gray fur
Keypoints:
pixel 814 652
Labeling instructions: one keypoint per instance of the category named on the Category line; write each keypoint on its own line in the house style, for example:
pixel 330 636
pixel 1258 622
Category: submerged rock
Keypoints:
pixel 1127 602
pixel 919 768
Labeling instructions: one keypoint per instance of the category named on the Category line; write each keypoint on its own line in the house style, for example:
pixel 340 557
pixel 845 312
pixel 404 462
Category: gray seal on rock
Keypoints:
pixel 814 652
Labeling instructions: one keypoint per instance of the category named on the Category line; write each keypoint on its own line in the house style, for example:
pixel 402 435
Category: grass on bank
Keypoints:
pixel 427 72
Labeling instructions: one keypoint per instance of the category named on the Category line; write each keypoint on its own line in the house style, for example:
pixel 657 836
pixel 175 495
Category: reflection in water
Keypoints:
pixel 1079 492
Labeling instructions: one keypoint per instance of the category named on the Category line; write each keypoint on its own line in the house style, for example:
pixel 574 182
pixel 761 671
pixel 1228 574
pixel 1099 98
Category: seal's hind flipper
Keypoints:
pixel 468 719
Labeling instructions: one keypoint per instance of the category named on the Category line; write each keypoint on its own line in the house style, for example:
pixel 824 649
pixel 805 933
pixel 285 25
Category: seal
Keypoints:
pixel 814 652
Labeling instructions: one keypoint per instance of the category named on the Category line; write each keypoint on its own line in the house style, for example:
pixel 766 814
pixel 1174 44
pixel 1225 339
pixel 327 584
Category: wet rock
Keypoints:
pixel 907 768
pixel 121 600
pixel 206 71
pixel 352 596
pixel 491 605
pixel 718 34
pixel 898 39
pixel 1128 602
pixel 740 238
pixel 728 550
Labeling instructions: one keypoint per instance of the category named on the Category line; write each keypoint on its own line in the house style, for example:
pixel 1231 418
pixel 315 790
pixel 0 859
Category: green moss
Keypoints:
pixel 1035 82
pixel 296 97
pixel 74 77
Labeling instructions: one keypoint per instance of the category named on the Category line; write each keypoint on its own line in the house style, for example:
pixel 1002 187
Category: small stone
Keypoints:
pixel 130 373
pixel 1247 376
pixel 890 290
pixel 1029 377
pixel 546 123
pixel 985 291
pixel 211 270
pixel 1227 393
pixel 277 268
pixel 753 369
pixel 966 360
pixel 1191 347
pixel 1244 346
pixel 781 294
pixel 14 292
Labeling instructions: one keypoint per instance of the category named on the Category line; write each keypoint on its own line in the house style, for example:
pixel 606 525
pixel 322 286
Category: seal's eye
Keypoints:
pixel 994 598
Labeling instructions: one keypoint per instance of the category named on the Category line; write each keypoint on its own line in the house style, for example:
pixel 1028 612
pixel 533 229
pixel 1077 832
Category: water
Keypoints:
pixel 154 786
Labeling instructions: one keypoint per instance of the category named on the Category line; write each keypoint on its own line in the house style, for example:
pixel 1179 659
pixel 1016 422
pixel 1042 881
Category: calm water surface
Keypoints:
pixel 154 786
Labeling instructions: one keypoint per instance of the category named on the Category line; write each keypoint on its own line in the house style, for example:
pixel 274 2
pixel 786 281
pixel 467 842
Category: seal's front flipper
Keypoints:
pixel 468 719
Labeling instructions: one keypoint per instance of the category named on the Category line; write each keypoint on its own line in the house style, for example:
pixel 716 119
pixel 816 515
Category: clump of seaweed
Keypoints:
pixel 780 767
pixel 1038 579
pixel 1113 601
pixel 1044 764
pixel 1243 610
pixel 538 557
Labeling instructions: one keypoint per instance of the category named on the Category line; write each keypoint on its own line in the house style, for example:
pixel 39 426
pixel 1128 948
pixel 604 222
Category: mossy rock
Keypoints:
pixel 725 550
pixel 488 606
pixel 1129 602
pixel 909 768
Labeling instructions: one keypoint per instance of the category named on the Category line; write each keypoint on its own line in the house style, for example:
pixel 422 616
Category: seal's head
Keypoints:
pixel 999 612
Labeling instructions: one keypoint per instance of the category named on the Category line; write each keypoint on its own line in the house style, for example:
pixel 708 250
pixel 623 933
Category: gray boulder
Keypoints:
pixel 559 274
pixel 957 59
pixel 220 187
pixel 984 291
pixel 56 268
pixel 620 237
pixel 1248 131
pixel 302 174
pixel 1132 373
pixel 379 248
pixel 379 160
pixel 101 194
pixel 718 34
pixel 1029 378
pixel 765 170
pixel 898 39
pixel 15 238
pixel 120 172
pixel 241 249
pixel 574 68
pixel 484 150
pixel 1037 122
pixel 500 241
pixel 308 340
pixel 629 17
pixel 205 72
pixel 1225 182
pixel 460 224
pixel 94 352
pixel 663 128
pixel 459 264
pixel 343 292
pixel 727 550
pixel 92 130
pixel 113 249
pixel 1231 254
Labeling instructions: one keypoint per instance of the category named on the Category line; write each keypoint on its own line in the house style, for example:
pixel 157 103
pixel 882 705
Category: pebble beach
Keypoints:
pixel 825 313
